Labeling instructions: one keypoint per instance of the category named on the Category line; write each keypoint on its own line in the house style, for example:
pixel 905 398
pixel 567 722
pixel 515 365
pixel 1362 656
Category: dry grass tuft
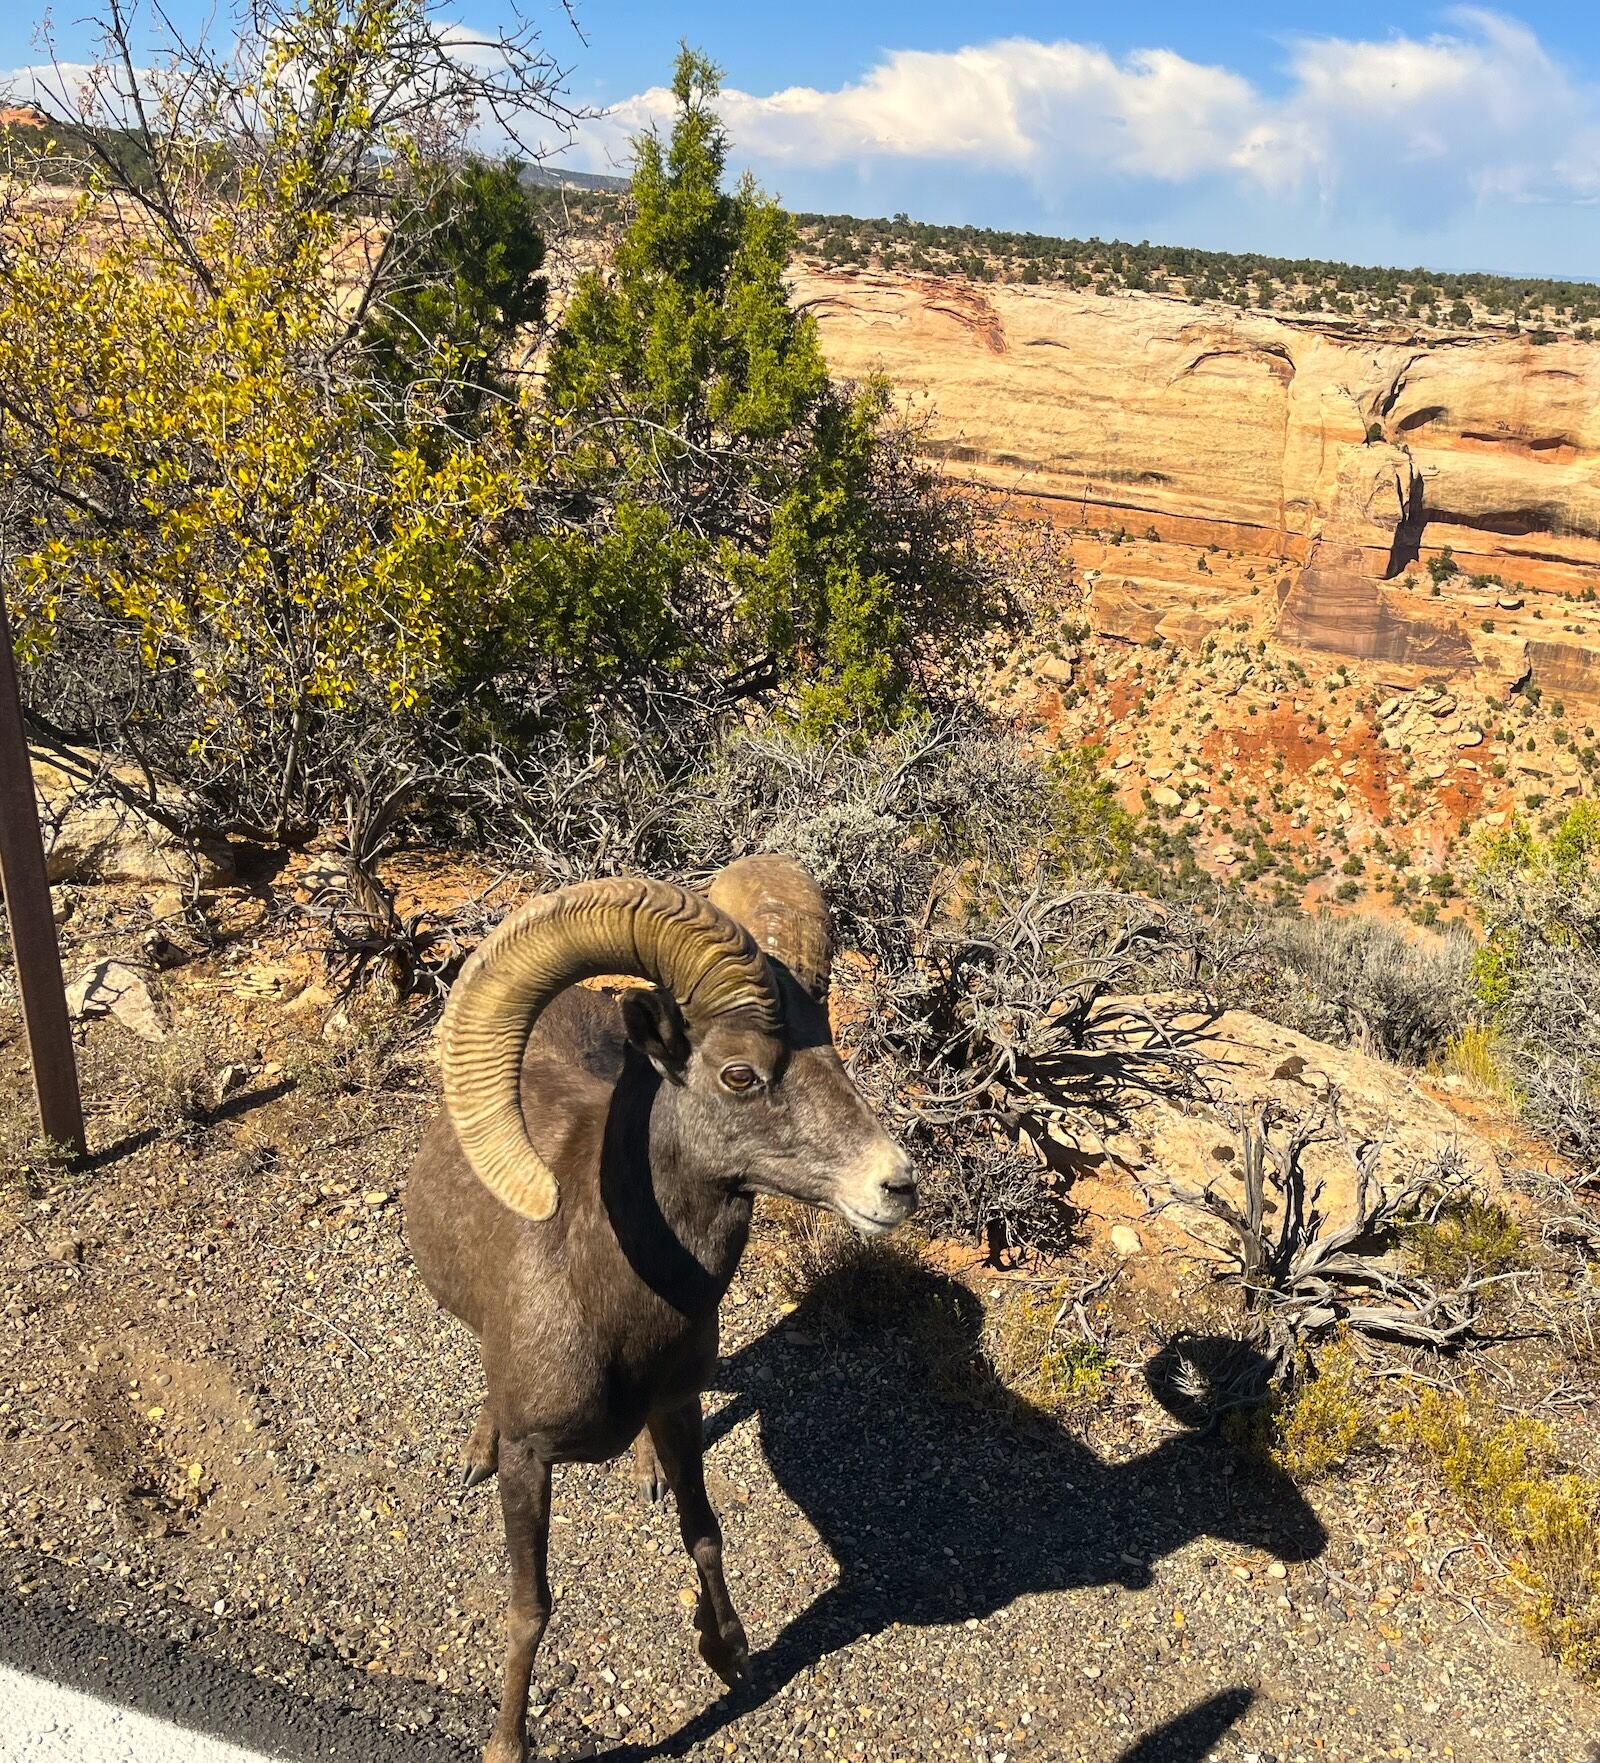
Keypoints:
pixel 30 1164
pixel 358 1056
pixel 1034 1357
pixel 1541 1516
pixel 1473 1055
pixel 180 1090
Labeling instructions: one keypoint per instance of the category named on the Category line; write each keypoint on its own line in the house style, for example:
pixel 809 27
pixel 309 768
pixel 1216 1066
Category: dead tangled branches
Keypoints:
pixel 1301 1274
pixel 368 938
pixel 985 1027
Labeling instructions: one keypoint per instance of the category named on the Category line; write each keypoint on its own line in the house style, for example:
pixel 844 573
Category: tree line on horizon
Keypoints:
pixel 1542 306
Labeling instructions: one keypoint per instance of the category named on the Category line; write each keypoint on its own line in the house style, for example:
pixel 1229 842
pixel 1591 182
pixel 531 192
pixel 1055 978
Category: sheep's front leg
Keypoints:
pixel 679 1440
pixel 525 1501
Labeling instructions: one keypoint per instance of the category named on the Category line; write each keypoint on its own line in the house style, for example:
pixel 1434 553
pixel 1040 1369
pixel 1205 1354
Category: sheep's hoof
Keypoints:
pixel 647 1471
pixel 725 1650
pixel 473 1475
pixel 483 1453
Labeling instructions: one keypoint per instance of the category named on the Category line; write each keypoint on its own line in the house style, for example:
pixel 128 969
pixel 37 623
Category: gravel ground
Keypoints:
pixel 230 1415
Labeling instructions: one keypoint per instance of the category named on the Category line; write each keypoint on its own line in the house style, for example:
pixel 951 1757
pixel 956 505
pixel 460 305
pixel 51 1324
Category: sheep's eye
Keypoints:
pixel 739 1077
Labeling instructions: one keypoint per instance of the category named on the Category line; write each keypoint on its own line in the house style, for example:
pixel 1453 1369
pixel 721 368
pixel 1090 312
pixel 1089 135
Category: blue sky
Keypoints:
pixel 1464 138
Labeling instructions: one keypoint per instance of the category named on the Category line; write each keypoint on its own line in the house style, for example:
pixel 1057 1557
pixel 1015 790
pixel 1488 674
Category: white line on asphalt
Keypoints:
pixel 45 1723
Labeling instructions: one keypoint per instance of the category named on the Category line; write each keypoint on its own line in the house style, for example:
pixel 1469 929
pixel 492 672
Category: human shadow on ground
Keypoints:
pixel 944 1497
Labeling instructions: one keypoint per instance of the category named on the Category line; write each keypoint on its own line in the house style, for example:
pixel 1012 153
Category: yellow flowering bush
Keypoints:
pixel 224 529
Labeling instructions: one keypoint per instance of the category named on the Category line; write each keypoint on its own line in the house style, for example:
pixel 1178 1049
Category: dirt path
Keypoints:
pixel 229 1415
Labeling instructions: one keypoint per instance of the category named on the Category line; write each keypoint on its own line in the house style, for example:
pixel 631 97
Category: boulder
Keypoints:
pixel 1336 609
pixel 91 834
pixel 1188 1142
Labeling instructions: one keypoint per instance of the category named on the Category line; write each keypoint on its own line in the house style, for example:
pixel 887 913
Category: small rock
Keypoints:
pixel 1126 1240
pixel 160 950
pixel 325 873
pixel 110 988
pixel 168 903
pixel 231 1078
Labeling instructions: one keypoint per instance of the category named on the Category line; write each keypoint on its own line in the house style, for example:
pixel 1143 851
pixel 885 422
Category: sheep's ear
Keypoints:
pixel 654 1024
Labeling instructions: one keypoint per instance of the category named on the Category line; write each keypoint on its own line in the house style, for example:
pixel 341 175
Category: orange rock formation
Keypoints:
pixel 1204 426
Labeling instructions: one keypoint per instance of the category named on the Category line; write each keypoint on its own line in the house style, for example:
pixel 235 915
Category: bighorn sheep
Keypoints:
pixel 584 1196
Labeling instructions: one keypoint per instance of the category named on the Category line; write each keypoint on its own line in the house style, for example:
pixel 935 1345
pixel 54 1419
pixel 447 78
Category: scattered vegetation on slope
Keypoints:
pixel 1246 280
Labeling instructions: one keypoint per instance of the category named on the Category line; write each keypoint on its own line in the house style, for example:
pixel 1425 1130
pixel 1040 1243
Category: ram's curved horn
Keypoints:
pixel 782 908
pixel 649 929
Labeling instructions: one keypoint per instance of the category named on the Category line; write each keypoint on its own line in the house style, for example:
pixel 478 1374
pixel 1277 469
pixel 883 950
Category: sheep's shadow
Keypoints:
pixel 937 1510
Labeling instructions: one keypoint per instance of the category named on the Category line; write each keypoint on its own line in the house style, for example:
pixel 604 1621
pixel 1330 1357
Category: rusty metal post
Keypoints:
pixel 33 927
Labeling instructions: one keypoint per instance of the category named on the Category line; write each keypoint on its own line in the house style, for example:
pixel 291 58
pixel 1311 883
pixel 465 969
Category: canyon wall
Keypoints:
pixel 1238 428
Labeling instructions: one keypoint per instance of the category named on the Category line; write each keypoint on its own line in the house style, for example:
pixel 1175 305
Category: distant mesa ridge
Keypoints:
pixel 556 177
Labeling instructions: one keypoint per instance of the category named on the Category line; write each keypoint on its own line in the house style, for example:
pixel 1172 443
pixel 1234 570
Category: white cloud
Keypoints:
pixel 1465 137
pixel 1478 112
pixel 66 86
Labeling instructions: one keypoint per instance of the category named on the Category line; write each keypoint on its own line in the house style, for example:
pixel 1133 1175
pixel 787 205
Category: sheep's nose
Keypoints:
pixel 898 1185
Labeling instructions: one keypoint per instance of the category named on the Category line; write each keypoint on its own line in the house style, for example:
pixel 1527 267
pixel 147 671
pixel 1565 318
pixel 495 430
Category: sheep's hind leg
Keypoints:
pixel 650 1477
pixel 679 1439
pixel 525 1502
pixel 483 1451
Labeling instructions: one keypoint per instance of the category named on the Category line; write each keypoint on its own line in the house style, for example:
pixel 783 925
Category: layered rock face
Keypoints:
pixel 1337 460
pixel 1238 428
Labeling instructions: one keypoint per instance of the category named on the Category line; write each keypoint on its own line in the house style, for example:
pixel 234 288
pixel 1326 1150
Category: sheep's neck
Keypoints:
pixel 680 1229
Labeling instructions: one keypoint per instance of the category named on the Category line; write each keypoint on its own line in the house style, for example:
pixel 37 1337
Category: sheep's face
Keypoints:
pixel 776 1114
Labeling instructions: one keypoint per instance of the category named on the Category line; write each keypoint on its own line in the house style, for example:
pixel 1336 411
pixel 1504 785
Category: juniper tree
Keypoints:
pixel 798 526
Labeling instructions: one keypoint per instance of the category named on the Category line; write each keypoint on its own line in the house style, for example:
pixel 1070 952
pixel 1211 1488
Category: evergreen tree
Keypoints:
pixel 794 524
pixel 470 286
